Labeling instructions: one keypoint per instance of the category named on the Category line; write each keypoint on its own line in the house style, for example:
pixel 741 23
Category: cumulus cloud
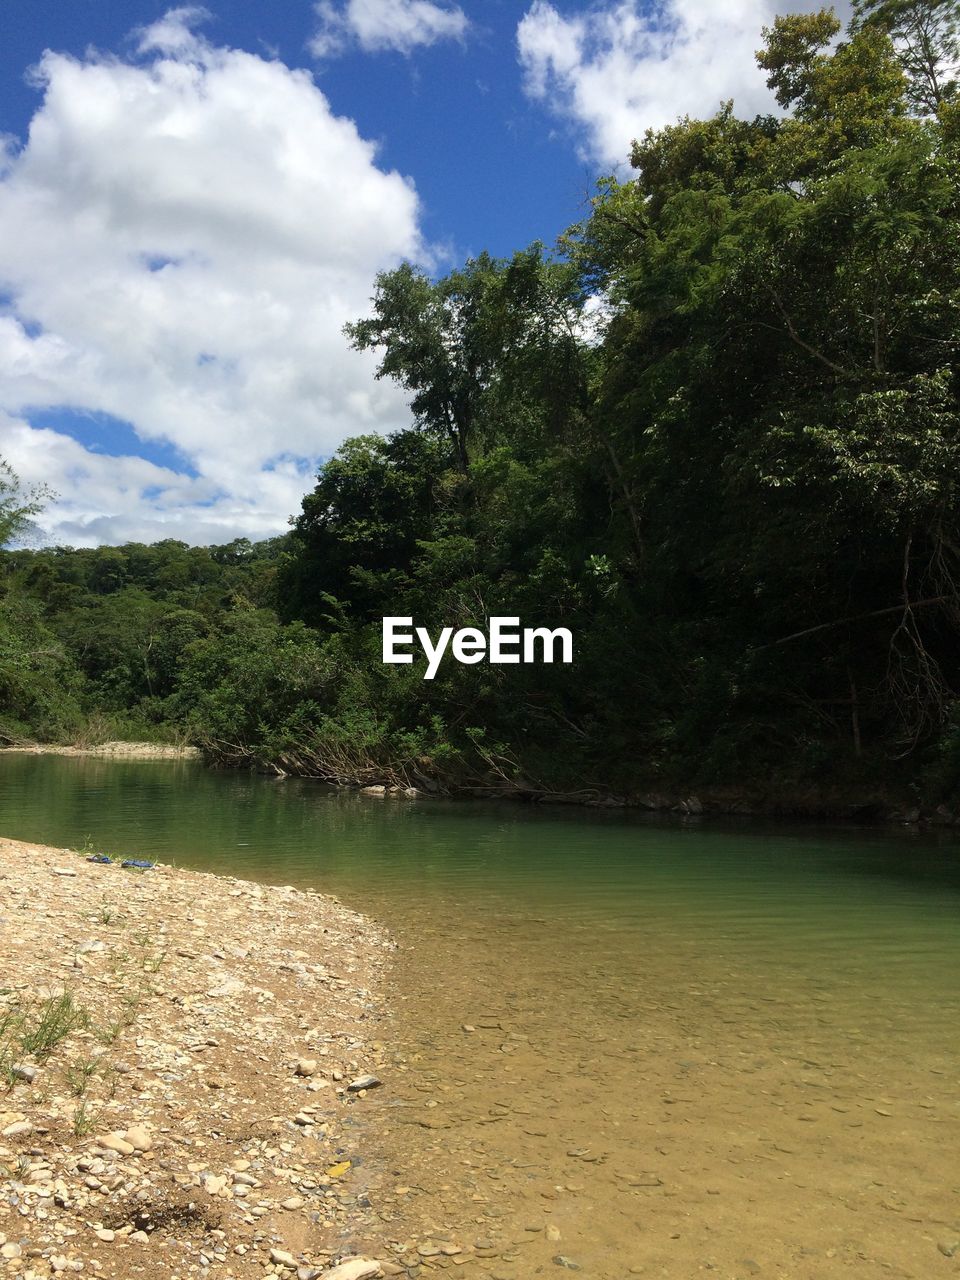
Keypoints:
pixel 617 69
pixel 129 499
pixel 401 25
pixel 182 237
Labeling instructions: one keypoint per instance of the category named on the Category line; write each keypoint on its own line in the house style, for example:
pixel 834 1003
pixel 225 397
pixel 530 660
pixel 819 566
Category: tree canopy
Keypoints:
pixel 715 433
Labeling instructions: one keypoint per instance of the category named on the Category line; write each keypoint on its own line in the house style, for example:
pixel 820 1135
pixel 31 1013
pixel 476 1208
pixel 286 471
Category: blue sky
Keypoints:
pixel 193 202
pixel 492 169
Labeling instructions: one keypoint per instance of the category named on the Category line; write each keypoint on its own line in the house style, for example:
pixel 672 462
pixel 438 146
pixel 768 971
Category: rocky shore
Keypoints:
pixel 185 1061
pixel 110 750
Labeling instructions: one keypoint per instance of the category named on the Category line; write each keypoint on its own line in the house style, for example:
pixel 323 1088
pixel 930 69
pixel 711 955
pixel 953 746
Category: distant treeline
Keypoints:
pixel 715 434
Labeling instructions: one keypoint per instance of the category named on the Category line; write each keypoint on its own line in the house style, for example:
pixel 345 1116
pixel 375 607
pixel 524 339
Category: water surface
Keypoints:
pixel 691 1047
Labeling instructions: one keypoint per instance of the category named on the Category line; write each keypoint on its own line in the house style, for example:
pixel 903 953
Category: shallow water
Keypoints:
pixel 698 1048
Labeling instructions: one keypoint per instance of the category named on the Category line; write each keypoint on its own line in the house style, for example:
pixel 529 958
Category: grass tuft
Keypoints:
pixel 41 1027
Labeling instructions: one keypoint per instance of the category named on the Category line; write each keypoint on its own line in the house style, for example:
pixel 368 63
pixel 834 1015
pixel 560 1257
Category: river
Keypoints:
pixel 632 1046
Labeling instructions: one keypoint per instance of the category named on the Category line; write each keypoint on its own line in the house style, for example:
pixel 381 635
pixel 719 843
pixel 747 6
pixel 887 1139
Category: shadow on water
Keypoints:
pixel 573 859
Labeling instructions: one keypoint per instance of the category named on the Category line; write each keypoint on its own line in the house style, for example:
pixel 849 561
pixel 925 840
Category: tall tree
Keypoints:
pixel 926 35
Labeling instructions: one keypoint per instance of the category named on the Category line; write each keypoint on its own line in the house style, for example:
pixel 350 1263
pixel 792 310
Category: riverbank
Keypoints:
pixel 181 1074
pixel 792 802
pixel 109 750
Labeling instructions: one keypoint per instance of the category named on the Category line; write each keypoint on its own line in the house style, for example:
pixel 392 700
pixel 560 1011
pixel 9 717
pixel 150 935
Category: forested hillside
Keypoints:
pixel 715 433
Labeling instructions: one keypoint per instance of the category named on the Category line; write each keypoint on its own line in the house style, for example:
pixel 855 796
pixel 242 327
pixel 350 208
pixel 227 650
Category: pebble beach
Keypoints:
pixel 184 1060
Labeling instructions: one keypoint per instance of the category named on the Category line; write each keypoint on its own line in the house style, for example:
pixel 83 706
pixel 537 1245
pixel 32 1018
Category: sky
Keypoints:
pixel 194 201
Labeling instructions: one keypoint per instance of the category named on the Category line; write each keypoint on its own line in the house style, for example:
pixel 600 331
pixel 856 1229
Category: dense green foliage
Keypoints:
pixel 94 644
pixel 716 435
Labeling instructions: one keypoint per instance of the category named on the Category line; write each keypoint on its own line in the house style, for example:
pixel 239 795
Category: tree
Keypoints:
pixel 926 35
pixel 17 505
pixel 435 345
pixel 468 344
pixel 355 540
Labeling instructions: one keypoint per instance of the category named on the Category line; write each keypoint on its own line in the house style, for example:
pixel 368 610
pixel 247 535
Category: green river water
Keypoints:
pixel 698 1048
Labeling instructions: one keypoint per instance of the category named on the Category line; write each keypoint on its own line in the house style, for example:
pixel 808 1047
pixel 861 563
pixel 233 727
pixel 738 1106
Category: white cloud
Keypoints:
pixel 182 238
pixel 128 499
pixel 617 69
pixel 402 25
pixel 174 33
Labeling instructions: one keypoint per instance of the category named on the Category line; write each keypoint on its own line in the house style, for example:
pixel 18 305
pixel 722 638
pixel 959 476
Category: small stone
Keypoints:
pixel 105 1234
pixel 64 871
pixel 25 1073
pixel 139 1237
pixel 552 1233
pixel 138 1138
pixel 948 1247
pixel 116 1142
pixel 307 1067
pixel 363 1082
pixel 213 1183
pixel 293 1202
pixel 18 1130
pixel 309 1273
pixel 10 1250
pixel 283 1259
pixel 568 1263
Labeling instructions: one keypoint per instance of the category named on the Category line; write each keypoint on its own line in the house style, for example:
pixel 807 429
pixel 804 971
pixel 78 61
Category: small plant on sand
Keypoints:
pixel 48 1023
pixel 132 1000
pixel 108 914
pixel 149 960
pixel 87 1113
pixel 79 1074
pixel 84 1119
pixel 151 964
pixel 9 1043
pixel 109 1032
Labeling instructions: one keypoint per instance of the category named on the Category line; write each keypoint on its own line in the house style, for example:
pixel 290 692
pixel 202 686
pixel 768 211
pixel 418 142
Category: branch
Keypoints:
pixel 638 228
pixel 804 345
pixel 858 617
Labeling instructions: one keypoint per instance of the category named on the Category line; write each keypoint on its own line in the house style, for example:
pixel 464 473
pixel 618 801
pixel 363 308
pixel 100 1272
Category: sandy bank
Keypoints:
pixel 111 750
pixel 186 1104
